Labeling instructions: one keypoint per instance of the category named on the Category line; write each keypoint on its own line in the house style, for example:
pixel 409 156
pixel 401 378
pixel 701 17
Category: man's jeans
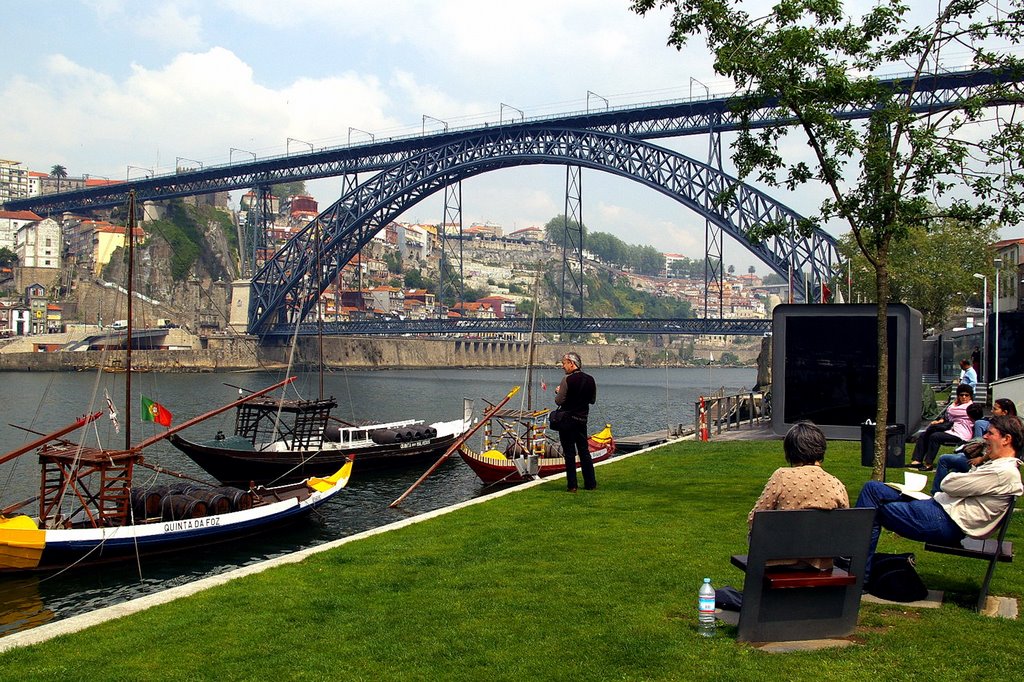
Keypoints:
pixel 922 520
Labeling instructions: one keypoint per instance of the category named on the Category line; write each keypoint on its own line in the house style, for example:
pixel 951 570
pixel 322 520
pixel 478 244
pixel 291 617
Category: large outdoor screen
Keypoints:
pixel 825 367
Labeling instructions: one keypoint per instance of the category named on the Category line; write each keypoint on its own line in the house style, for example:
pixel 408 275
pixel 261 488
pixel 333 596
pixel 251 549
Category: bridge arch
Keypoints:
pixel 288 286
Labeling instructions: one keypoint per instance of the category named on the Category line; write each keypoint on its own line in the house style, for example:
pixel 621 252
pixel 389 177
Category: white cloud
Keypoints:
pixel 168 27
pixel 196 106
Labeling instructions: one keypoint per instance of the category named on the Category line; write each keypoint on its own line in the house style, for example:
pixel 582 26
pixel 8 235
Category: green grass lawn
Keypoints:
pixel 542 585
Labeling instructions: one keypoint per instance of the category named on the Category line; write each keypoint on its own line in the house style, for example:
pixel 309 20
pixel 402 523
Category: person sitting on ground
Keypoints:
pixel 929 442
pixel 967 374
pixel 803 484
pixel 969 504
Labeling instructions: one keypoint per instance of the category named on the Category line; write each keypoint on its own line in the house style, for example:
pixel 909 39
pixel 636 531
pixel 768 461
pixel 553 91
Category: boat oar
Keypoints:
pixel 456 445
pixel 42 440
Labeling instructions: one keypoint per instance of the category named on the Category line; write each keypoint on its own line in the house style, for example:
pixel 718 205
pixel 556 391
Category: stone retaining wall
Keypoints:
pixel 240 353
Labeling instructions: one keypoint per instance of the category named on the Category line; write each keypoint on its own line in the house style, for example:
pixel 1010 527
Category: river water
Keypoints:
pixel 633 400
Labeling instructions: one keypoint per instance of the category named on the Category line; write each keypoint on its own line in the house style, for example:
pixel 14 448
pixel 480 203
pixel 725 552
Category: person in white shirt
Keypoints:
pixel 969 504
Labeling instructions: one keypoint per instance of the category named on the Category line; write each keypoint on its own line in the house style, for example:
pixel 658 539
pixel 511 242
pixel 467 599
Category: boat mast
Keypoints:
pixel 128 353
pixel 529 361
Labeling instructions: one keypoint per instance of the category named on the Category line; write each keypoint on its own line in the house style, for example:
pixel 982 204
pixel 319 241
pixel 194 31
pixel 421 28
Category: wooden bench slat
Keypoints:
pixel 975 549
pixel 786 577
pixel 781 580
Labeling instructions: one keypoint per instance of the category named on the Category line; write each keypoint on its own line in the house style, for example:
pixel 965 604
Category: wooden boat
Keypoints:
pixel 520 449
pixel 287 440
pixel 90 512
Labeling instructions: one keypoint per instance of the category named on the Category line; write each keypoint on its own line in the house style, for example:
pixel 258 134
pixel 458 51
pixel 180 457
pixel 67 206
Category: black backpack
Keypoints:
pixel 893 577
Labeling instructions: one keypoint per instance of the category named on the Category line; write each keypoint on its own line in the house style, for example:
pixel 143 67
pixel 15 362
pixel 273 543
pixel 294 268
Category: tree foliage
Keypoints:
pixel 558 228
pixel 645 260
pixel 289 189
pixel 927 268
pixel 806 61
pixel 7 257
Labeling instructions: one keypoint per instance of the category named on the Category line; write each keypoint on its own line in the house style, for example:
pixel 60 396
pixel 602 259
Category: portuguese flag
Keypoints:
pixel 153 411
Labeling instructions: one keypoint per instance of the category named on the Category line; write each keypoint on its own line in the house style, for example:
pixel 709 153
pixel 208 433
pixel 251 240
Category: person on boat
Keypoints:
pixel 969 504
pixel 574 395
pixel 804 484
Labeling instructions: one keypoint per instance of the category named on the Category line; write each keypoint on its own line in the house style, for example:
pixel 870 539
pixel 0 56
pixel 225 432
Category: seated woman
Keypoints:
pixel 928 444
pixel 803 484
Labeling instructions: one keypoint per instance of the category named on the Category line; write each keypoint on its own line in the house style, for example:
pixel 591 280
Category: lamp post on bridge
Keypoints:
pixel 501 113
pixel 179 159
pixel 148 172
pixel 373 138
pixel 594 94
pixel 288 141
pixel 232 150
pixel 423 128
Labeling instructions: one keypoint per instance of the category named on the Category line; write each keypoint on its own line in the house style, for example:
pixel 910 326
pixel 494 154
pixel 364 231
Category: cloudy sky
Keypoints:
pixel 101 85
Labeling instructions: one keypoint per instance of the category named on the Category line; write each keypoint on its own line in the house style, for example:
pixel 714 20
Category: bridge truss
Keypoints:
pixel 287 288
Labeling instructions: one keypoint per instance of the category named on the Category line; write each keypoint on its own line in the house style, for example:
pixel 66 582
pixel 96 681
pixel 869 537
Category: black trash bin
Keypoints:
pixel 895 439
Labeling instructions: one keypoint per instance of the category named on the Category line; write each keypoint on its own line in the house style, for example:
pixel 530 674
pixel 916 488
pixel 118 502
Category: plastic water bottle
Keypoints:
pixel 706 609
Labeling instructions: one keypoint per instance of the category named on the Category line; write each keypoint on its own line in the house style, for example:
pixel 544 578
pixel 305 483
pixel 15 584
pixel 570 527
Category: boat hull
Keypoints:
pixel 241 467
pixel 503 470
pixel 82 547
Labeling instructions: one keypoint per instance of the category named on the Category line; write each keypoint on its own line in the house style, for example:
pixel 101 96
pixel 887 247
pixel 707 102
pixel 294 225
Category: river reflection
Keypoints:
pixel 633 400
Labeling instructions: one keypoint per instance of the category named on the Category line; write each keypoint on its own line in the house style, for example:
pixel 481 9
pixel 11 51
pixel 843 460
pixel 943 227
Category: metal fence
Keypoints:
pixel 728 412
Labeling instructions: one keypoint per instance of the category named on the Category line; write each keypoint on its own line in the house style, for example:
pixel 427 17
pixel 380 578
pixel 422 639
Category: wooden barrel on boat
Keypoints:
pixel 183 488
pixel 146 501
pixel 216 503
pixel 384 436
pixel 177 507
pixel 332 433
pixel 239 499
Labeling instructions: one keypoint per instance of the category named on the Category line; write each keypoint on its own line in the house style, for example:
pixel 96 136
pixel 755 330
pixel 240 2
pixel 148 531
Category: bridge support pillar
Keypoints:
pixel 238 315
pixel 572 245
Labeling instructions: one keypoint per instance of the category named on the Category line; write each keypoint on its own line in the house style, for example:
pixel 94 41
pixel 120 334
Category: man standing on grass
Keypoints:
pixel 575 394
pixel 971 503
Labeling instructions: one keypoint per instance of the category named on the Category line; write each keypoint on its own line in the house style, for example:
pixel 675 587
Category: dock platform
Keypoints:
pixel 647 440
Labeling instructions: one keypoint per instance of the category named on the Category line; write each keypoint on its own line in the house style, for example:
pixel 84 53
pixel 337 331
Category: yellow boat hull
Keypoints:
pixel 21 542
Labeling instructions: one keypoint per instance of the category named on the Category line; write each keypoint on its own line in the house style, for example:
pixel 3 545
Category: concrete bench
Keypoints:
pixel 990 550
pixel 783 603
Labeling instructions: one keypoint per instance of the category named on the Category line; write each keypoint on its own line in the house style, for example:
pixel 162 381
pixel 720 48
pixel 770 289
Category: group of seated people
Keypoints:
pixel 961 421
pixel 969 499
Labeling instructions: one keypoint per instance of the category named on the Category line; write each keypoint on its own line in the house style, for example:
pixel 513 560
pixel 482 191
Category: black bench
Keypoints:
pixel 783 603
pixel 991 550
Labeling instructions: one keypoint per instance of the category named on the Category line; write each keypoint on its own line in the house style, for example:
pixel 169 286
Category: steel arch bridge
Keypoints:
pixel 288 286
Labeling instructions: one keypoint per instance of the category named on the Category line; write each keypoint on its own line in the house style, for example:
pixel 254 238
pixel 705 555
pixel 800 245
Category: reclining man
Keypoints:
pixel 970 503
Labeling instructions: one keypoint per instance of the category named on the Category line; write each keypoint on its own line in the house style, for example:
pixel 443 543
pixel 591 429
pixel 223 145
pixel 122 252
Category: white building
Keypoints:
pixel 38 244
pixel 14 182
pixel 11 222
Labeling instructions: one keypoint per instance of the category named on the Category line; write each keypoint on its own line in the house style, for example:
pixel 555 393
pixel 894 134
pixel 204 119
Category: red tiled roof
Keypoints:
pixel 20 215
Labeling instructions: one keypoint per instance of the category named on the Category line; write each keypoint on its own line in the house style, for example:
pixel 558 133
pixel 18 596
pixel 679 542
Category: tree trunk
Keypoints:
pixel 882 409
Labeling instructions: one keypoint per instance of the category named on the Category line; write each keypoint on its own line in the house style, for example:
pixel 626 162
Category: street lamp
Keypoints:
pixel 998 262
pixel 984 317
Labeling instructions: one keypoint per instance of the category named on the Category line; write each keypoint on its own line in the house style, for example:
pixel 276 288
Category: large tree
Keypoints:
pixel 926 268
pixel 806 61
